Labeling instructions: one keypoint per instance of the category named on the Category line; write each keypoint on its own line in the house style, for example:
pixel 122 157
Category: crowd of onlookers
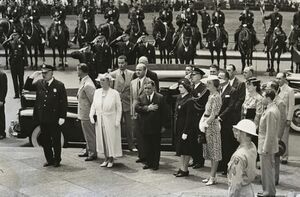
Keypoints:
pixel 218 117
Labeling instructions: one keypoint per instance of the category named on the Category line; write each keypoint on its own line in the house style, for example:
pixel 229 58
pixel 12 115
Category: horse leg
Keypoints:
pixel 272 63
pixel 218 58
pixel 278 61
pixel 65 56
pixel 30 56
pixel 164 56
pixel 61 57
pixel 54 57
pixel 212 56
pixel 161 56
pixel 243 61
pixel 36 53
pixel 268 57
pixel 224 57
pixel 6 59
pixel 292 62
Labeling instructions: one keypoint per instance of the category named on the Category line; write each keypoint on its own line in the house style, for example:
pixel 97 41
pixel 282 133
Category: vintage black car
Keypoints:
pixel 71 130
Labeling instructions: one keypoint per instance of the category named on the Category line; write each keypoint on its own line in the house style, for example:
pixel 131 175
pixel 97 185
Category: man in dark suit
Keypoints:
pixel 3 92
pixel 228 95
pixel 150 74
pixel 17 60
pixel 151 115
pixel 200 96
pixel 240 88
pixel 50 111
pixel 144 48
pixel 103 56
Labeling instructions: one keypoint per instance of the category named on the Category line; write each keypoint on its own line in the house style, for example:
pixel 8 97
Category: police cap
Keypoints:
pixel 197 71
pixel 47 67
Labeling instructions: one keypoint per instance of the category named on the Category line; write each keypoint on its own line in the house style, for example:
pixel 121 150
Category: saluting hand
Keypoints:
pixel 35 74
pixel 61 121
pixel 184 136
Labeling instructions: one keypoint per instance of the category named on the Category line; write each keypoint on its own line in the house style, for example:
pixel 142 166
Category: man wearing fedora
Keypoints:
pixel 242 165
pixel 268 142
pixel 50 111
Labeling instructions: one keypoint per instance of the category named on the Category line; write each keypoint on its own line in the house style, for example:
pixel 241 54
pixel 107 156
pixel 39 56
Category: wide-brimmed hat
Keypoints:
pixel 210 78
pixel 247 126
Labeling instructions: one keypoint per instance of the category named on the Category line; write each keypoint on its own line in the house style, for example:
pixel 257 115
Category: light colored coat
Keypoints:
pixel 123 86
pixel 85 97
pixel 288 96
pixel 109 112
pixel 135 93
pixel 268 130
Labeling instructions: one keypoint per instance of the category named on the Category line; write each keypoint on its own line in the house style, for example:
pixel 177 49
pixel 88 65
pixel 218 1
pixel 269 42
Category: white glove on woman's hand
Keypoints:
pixel 184 136
pixel 92 120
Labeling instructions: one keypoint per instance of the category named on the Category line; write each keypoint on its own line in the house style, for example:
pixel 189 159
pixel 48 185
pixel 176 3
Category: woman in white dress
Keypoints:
pixel 106 112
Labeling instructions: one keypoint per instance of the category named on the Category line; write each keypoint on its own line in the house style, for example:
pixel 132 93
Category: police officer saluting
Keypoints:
pixel 50 111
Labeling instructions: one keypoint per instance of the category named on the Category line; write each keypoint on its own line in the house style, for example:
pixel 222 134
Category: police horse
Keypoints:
pixel 245 46
pixel 294 43
pixel 87 32
pixel 163 36
pixel 33 40
pixel 215 43
pixel 134 28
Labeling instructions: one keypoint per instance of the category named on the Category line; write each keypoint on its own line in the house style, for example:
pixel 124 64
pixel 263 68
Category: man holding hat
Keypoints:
pixel 50 111
pixel 200 97
pixel 242 165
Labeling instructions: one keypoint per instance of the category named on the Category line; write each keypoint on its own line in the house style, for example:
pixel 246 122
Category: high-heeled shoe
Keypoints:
pixel 104 164
pixel 211 181
pixel 110 164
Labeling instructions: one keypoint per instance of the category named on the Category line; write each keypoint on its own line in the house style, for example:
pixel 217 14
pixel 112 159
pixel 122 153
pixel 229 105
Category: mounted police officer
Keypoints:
pixel 17 61
pixel 58 14
pixel 276 22
pixel 13 14
pixel 205 19
pixel 295 26
pixel 138 12
pixel 112 15
pixel 87 14
pixel 166 15
pixel 49 112
pixel 247 19
pixel 33 13
pixel 218 19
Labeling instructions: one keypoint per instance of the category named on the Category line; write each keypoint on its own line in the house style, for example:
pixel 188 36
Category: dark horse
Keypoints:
pixel 245 46
pixel 186 49
pixel 33 39
pixel 6 29
pixel 86 32
pixel 134 28
pixel 58 40
pixel 215 43
pixel 163 36
pixel 275 45
pixel 294 43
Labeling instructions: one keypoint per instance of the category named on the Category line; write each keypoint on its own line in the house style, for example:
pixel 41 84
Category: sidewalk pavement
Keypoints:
pixel 22 174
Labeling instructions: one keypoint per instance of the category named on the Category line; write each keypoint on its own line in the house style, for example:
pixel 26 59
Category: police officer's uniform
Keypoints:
pixel 58 15
pixel 218 18
pixel 50 105
pixel 13 14
pixel 205 18
pixel 146 49
pixel 103 56
pixel 17 61
pixel 166 15
pixel 112 15
pixel 33 13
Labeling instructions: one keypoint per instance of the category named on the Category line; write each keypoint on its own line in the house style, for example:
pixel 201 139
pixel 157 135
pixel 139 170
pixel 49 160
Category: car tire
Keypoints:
pixel 295 123
pixel 36 133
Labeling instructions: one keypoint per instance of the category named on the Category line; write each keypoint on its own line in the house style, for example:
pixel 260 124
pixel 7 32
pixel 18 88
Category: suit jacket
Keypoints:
pixel 125 49
pixel 51 102
pixel 134 94
pixel 228 101
pixel 85 97
pixel 3 86
pixel 17 53
pixel 123 87
pixel 88 59
pixel 240 88
pixel 268 130
pixel 287 95
pixel 151 122
pixel 153 76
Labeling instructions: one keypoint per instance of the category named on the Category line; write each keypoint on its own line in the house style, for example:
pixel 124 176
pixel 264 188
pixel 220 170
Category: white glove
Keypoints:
pixel 184 136
pixel 111 22
pixel 11 20
pixel 217 25
pixel 61 121
pixel 31 18
pixel 92 120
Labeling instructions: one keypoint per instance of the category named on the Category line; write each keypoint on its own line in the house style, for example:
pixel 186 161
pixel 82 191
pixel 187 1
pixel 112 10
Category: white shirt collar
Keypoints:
pixel 224 87
pixel 50 81
pixel 142 79
pixel 127 42
pixel 151 96
pixel 231 81
pixel 196 85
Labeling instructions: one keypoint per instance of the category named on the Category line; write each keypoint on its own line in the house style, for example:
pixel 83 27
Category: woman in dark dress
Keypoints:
pixel 184 141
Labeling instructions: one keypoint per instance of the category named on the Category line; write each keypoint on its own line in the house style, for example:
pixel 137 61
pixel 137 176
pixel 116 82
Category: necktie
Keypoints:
pixel 149 99
pixel 139 85
pixel 123 75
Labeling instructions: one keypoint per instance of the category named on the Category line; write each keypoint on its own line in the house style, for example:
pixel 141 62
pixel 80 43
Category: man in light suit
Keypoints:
pixel 229 143
pixel 288 96
pixel 136 90
pixel 268 142
pixel 122 81
pixel 151 109
pixel 3 92
pixel 85 97
pixel 240 88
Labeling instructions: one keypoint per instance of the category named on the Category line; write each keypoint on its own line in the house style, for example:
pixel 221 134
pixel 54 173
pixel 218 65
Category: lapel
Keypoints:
pixel 82 83
pixel 226 91
pixel 142 87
